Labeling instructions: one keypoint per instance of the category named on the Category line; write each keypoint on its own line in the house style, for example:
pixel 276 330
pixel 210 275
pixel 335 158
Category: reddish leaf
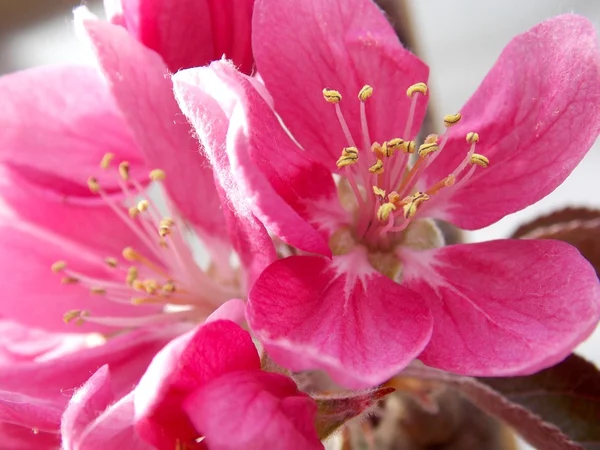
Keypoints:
pixel 579 227
pixel 557 408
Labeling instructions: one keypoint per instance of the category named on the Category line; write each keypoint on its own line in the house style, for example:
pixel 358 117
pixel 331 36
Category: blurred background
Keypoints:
pixel 460 40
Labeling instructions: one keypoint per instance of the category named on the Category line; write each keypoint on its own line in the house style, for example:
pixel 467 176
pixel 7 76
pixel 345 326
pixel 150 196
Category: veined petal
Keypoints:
pixel 254 409
pixel 192 33
pixel 18 409
pixel 508 307
pixel 57 124
pixel 342 45
pixel 537 114
pixel 338 315
pixel 188 362
pixel 140 83
pixel 210 121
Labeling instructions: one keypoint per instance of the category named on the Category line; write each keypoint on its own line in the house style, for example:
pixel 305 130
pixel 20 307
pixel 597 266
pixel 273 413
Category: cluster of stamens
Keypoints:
pixel 391 170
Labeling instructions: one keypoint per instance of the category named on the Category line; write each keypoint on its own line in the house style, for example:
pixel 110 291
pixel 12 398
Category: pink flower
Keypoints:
pixel 370 285
pixel 208 384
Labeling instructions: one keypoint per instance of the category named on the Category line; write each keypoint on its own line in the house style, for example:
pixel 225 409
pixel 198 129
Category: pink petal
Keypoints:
pixel 193 33
pixel 182 366
pixel 279 179
pixel 51 230
pixel 254 410
pixel 58 122
pixel 507 307
pixel 341 45
pixel 88 402
pixel 537 113
pixel 340 316
pixel 248 236
pixel 20 409
pixel 233 310
pixel 15 437
pixel 139 81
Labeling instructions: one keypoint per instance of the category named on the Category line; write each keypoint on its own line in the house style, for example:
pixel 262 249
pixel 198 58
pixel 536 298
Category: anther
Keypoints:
pixel 132 274
pixel 58 266
pixel 411 207
pixel 124 170
pixel 389 147
pixel 377 168
pixel 365 93
pixel 130 254
pixel 394 197
pixel 69 280
pixel 133 212
pixel 106 160
pixel 93 185
pixel 332 96
pixel 69 316
pixel 143 205
pixel 408 147
pixel 418 87
pixel 151 286
pixel 472 137
pixel 427 149
pixel 157 175
pixel 378 149
pixel 164 227
pixel 480 160
pixel 168 287
pixel 349 157
pixel 431 138
pixel 452 119
pixel 98 291
pixel 379 192
pixel 111 262
pixel 384 211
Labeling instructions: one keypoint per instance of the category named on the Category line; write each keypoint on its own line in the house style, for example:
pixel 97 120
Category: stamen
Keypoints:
pixel 93 185
pixel 131 255
pixel 74 314
pixel 58 266
pixel 133 212
pixel 132 275
pixel 431 138
pixel 143 205
pixel 164 228
pixel 332 96
pixel 69 280
pixel 384 211
pixel 417 87
pixel 389 147
pixel 124 170
pixel 379 192
pixel 452 119
pixel 472 137
pixel 428 148
pixel 111 262
pixel 98 291
pixel 394 197
pixel 446 182
pixel 377 168
pixel 408 147
pixel 348 158
pixel 365 93
pixel 106 160
pixel 378 150
pixel 157 175
pixel 480 160
pixel 410 208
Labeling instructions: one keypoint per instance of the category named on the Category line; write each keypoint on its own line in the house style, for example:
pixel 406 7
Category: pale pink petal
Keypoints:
pixel 15 437
pixel 301 47
pixel 247 234
pixel 23 410
pixel 537 114
pixel 253 410
pixel 507 307
pixel 140 82
pixel 234 310
pixel 181 367
pixel 193 33
pixel 340 315
pixel 57 123
pixel 279 179
pixel 89 402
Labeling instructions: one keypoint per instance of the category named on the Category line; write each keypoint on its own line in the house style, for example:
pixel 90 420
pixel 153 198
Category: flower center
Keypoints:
pixel 377 182
pixel 164 272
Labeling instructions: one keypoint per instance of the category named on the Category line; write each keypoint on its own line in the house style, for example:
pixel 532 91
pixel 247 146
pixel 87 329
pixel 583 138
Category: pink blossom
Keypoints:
pixel 208 384
pixel 370 285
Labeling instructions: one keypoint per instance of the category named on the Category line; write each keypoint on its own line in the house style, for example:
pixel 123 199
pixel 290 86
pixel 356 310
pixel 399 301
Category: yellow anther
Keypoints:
pixel 349 157
pixel 428 149
pixel 472 137
pixel 157 175
pixel 124 170
pixel 379 192
pixel 408 147
pixel 69 316
pixel 418 87
pixel 377 168
pixel 389 147
pixel 143 205
pixel 130 254
pixel 332 96
pixel 480 160
pixel 132 274
pixel 168 287
pixel 93 185
pixel 431 138
pixel 413 202
pixel 58 266
pixel 69 280
pixel 384 211
pixel 167 221
pixel 133 212
pixel 449 180
pixel 111 262
pixel 377 149
pixel 164 227
pixel 394 197
pixel 151 286
pixel 452 119
pixel 106 160
pixel 138 285
pixel 98 291
pixel 365 93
